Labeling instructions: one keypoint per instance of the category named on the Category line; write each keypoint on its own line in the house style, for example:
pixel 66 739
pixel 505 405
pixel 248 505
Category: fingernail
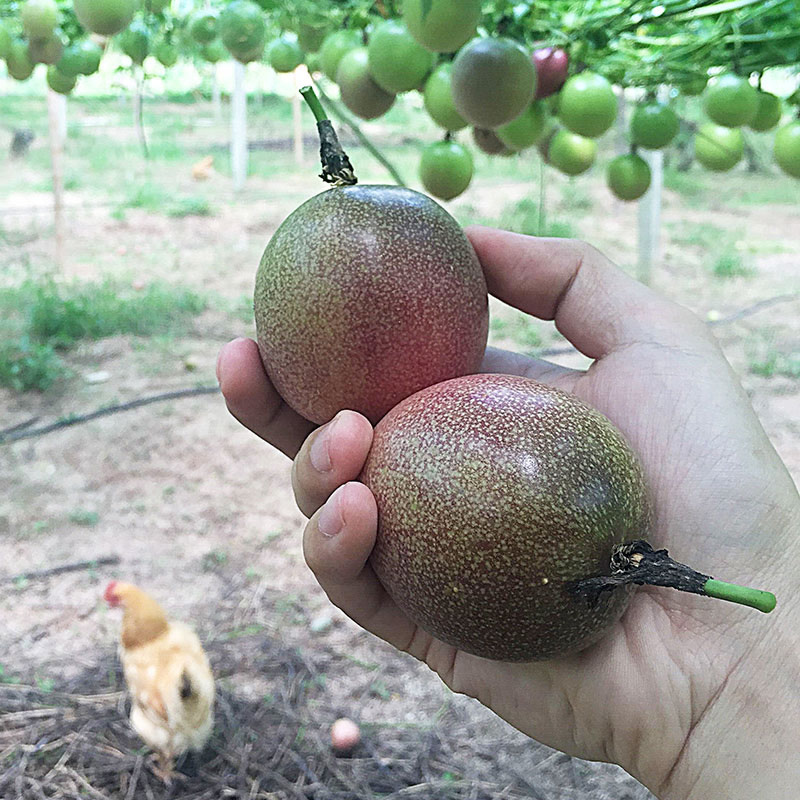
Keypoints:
pixel 330 520
pixel 320 453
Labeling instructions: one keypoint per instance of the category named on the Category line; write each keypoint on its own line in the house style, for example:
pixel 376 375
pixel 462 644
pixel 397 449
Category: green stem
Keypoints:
pixel 314 104
pixel 755 598
pixel 361 136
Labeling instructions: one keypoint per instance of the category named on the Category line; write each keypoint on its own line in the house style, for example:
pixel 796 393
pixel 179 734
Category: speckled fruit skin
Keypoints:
pixel 364 295
pixel 494 492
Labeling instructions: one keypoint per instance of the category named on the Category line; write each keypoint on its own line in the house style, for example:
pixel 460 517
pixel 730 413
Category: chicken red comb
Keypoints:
pixel 110 594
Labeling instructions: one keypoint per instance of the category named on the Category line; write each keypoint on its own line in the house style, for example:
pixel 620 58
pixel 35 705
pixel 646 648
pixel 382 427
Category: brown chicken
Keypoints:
pixel 202 169
pixel 167 672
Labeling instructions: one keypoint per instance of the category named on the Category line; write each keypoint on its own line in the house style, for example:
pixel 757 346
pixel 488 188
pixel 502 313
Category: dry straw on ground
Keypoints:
pixel 75 742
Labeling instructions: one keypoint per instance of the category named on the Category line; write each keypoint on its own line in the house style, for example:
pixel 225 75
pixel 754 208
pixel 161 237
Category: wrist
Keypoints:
pixel 744 744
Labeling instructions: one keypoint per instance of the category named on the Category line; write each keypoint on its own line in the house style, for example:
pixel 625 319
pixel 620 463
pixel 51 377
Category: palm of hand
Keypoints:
pixel 636 697
pixel 633 681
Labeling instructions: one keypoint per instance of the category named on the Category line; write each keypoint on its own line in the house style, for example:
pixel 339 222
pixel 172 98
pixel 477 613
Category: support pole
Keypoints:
pixel 239 127
pixel 216 102
pixel 55 113
pixel 650 216
pixel 297 119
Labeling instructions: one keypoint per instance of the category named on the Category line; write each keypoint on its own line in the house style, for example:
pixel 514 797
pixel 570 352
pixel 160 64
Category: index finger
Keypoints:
pixel 595 305
pixel 253 400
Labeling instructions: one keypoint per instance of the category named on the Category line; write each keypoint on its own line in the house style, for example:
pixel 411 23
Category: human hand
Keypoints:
pixel 690 695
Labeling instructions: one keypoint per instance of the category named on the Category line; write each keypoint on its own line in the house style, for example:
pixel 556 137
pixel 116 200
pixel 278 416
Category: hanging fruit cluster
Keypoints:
pixel 518 74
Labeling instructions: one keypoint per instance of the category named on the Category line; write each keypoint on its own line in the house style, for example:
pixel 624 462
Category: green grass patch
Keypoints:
pixel 26 364
pixel 524 217
pixel 774 362
pixel 189 206
pixel 63 315
pixel 41 319
pixel 690 185
pixel 520 328
pixel 730 264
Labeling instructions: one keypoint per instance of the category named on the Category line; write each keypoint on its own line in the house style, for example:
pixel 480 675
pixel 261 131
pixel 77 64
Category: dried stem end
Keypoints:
pixel 638 563
pixel 336 166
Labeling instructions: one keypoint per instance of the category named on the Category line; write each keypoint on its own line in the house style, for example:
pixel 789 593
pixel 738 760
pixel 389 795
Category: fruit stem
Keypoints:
pixel 336 166
pixel 638 563
pixel 755 598
pixel 314 104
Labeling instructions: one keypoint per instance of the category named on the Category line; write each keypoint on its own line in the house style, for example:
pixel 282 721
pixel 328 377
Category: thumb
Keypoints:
pixel 595 305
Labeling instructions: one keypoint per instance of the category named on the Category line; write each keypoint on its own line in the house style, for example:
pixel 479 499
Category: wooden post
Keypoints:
pixel 138 110
pixel 216 103
pixel 55 114
pixel 650 216
pixel 297 118
pixel 239 127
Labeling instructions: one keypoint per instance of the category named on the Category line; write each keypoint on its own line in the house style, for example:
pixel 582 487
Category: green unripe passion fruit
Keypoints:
pixel 526 129
pixel 359 91
pixel 787 148
pixel 571 153
pixel 442 26
pixel 653 125
pixel 587 104
pixel 768 114
pixel 105 17
pixel 445 169
pixel 335 46
pixel 285 54
pixel 717 147
pixel 397 62
pixel 58 82
pixel 628 176
pixel 731 101
pixel 438 96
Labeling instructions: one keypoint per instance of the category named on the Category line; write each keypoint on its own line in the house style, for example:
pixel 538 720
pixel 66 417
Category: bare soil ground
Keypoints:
pixel 201 514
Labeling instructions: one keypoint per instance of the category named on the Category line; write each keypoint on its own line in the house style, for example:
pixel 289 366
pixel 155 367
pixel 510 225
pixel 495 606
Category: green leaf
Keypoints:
pixel 426 8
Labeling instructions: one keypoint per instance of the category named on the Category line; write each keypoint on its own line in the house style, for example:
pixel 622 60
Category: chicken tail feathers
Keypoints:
pixel 187 690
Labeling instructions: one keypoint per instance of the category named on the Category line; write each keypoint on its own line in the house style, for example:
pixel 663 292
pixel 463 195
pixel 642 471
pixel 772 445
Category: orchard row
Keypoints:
pixel 512 97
